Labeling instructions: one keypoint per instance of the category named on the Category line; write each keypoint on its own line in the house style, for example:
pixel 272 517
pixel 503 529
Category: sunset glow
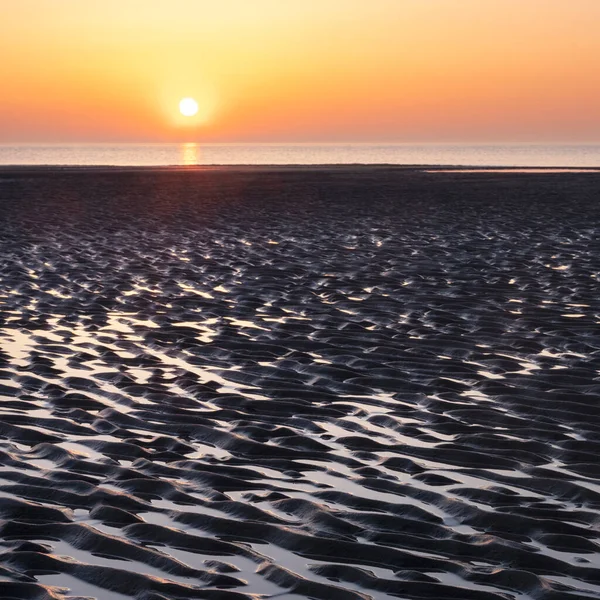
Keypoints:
pixel 300 71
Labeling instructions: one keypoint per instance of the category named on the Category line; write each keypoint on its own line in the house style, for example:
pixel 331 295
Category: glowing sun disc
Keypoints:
pixel 188 107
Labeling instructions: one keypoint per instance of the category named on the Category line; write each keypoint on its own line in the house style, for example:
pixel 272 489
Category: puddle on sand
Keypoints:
pixel 77 587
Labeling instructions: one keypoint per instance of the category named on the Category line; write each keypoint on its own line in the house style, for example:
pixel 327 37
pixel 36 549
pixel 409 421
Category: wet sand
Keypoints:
pixel 334 383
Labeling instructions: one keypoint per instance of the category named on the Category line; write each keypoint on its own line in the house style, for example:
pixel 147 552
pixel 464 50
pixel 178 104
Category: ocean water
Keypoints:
pixel 504 155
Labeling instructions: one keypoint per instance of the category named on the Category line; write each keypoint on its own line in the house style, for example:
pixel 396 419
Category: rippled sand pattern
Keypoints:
pixel 335 384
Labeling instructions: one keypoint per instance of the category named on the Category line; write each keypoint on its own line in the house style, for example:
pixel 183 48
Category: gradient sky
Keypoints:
pixel 300 70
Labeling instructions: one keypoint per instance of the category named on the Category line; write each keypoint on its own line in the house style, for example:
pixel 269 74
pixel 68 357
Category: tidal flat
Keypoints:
pixel 339 382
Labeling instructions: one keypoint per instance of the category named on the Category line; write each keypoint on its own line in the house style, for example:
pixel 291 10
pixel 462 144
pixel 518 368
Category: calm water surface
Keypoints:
pixel 521 155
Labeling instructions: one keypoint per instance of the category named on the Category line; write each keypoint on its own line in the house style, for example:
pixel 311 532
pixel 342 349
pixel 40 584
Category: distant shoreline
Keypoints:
pixel 448 169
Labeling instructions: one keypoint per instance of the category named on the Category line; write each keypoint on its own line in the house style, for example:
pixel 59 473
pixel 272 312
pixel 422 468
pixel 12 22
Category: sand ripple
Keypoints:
pixel 327 384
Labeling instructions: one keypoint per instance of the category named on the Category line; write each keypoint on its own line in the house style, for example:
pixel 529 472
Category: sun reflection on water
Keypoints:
pixel 190 153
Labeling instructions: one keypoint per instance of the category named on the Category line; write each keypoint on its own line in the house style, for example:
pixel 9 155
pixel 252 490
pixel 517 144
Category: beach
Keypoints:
pixel 342 382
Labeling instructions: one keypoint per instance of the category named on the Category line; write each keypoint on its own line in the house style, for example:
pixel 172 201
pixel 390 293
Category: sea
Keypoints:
pixel 193 153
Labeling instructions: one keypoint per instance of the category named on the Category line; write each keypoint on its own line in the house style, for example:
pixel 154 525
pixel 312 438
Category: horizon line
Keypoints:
pixel 311 143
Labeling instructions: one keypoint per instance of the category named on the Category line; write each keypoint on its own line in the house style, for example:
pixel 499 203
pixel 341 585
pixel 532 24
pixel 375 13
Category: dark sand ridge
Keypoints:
pixel 328 382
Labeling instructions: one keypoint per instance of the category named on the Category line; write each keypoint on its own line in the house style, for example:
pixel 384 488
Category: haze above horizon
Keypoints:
pixel 300 71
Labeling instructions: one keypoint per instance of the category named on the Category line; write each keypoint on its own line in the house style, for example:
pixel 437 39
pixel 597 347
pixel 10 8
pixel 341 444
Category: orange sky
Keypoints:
pixel 300 70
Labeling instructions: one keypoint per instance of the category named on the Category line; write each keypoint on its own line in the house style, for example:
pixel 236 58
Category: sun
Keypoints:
pixel 188 107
